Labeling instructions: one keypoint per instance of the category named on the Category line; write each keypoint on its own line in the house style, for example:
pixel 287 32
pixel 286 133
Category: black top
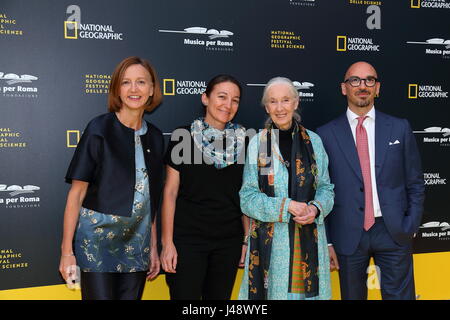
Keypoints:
pixel 207 205
pixel 105 156
pixel 285 145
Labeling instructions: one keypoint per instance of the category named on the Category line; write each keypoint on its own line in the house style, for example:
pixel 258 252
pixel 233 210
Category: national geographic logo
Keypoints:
pixel 173 87
pixel 435 46
pixel 282 39
pixel 13 86
pixel 434 179
pixel 16 197
pixel 8 26
pixel 74 29
pixel 419 91
pixel 11 139
pixel 97 83
pixel 345 43
pixel 303 3
pixel 433 4
pixel 210 39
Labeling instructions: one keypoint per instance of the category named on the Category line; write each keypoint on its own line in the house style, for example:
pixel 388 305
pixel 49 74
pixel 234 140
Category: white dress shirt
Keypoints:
pixel 369 125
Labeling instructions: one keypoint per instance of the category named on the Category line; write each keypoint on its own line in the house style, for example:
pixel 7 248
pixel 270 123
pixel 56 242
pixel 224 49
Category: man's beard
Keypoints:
pixel 363 102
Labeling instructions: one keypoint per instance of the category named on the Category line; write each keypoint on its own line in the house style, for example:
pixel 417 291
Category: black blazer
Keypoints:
pixel 105 157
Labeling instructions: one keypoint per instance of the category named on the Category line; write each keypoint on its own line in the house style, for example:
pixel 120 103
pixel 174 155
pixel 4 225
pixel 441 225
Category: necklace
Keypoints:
pixel 280 158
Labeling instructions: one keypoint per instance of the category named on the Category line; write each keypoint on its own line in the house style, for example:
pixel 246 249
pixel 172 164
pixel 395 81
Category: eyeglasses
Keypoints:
pixel 356 81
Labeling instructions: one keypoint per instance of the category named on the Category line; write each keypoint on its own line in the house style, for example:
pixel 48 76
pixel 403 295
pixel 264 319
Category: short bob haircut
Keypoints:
pixel 114 101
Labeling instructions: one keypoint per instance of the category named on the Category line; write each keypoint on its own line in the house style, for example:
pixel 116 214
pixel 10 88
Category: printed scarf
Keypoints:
pixel 303 274
pixel 219 147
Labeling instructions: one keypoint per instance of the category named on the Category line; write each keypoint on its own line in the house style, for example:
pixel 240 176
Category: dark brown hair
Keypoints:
pixel 114 101
pixel 219 79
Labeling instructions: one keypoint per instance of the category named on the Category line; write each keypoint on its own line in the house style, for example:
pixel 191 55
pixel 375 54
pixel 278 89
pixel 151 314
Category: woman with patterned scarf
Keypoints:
pixel 202 223
pixel 287 194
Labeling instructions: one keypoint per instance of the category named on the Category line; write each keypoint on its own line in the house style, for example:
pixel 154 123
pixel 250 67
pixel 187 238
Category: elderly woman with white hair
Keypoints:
pixel 287 194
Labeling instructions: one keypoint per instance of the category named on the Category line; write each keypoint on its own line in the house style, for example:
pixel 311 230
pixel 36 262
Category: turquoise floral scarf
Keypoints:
pixel 219 147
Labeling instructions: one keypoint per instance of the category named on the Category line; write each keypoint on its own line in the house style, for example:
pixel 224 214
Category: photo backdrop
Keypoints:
pixel 56 59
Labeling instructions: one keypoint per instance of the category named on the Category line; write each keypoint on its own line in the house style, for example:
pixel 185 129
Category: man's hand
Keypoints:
pixel 334 264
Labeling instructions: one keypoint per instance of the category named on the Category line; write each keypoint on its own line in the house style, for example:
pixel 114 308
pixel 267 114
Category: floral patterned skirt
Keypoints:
pixel 108 243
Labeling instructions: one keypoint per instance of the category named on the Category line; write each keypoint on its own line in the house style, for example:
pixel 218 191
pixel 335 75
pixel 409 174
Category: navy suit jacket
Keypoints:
pixel 399 179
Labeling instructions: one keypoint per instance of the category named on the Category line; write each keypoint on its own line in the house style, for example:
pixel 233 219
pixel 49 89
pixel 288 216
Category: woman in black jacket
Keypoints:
pixel 116 177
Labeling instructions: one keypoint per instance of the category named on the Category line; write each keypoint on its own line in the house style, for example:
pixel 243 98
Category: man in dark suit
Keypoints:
pixel 379 191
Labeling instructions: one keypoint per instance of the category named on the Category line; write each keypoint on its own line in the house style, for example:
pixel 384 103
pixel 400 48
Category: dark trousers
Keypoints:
pixel 112 286
pixel 205 271
pixel 394 263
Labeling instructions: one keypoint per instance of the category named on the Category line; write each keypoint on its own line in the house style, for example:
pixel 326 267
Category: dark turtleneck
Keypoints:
pixel 285 145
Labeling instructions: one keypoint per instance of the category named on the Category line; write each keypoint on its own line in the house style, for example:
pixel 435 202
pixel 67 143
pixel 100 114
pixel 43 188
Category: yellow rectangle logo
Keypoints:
pixel 413 90
pixel 341 43
pixel 169 87
pixel 72 137
pixel 415 4
pixel 66 29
